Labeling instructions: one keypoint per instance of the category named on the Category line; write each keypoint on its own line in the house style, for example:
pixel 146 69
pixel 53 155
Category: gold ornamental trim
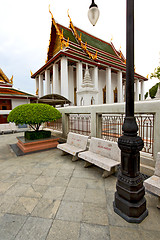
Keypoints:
pixel 79 39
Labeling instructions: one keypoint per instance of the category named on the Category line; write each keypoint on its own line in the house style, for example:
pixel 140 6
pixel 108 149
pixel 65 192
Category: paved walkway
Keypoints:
pixel 45 196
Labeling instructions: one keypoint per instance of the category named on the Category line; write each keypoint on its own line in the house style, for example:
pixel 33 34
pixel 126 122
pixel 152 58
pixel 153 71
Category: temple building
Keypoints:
pixel 11 97
pixel 84 69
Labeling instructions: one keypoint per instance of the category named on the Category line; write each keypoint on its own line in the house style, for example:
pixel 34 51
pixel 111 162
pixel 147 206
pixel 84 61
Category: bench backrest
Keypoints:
pixel 5 126
pixel 157 166
pixel 105 148
pixel 77 140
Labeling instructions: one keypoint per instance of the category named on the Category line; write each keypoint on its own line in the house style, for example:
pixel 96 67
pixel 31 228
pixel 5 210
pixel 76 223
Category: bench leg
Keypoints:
pixel 64 153
pixel 87 164
pixel 158 205
pixel 108 173
pixel 75 158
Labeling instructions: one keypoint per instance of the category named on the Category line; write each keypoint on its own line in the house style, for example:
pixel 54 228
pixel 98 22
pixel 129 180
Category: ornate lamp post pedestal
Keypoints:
pixel 129 202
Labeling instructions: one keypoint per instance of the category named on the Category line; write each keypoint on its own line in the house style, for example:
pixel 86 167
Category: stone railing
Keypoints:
pixel 105 121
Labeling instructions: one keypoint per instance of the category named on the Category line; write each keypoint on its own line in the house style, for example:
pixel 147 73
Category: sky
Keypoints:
pixel 25 31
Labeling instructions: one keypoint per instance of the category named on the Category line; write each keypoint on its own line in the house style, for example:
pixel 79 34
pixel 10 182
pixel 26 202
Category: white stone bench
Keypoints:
pixel 152 184
pixel 75 143
pixel 102 153
pixel 8 128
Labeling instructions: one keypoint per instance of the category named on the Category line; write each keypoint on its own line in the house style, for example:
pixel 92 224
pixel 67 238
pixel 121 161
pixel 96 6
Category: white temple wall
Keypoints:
pixel 17 102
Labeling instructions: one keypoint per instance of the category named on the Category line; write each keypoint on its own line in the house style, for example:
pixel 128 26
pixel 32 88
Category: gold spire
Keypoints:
pixel 147 76
pixel 11 80
pixel 60 34
pixel 79 39
pixel 37 91
pixel 31 73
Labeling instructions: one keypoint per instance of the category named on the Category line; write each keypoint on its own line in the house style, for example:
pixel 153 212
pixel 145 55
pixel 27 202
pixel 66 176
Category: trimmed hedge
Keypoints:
pixel 33 114
pixel 33 135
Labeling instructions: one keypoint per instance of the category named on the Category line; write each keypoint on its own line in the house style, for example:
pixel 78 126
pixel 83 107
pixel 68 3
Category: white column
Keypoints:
pixel 119 84
pixel 95 81
pixel 108 85
pixel 55 79
pixel 137 90
pixel 95 77
pixel 41 85
pixel 47 82
pixel 142 90
pixel 79 75
pixel 71 84
pixel 37 85
pixel 64 77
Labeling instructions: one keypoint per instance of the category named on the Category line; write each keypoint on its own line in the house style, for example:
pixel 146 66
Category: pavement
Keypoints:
pixel 46 196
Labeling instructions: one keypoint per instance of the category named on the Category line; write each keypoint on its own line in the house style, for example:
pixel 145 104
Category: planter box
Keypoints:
pixel 36 145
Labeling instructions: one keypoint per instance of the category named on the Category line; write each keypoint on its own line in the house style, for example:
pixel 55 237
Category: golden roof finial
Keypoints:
pixel 37 91
pixel 11 80
pixel 111 38
pixel 31 73
pixel 147 76
pixel 59 32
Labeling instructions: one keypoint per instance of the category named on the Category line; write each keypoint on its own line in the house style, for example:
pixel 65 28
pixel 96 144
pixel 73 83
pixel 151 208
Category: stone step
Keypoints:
pixel 147 160
pixel 148 170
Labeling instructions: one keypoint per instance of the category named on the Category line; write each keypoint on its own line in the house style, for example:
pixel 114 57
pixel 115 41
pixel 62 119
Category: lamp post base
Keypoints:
pixel 128 218
pixel 129 201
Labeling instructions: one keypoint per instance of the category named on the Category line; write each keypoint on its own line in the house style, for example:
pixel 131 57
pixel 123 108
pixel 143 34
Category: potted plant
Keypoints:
pixel 34 114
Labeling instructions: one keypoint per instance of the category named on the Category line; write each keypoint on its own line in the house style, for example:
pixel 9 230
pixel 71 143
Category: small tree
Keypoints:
pixel 156 73
pixel 33 114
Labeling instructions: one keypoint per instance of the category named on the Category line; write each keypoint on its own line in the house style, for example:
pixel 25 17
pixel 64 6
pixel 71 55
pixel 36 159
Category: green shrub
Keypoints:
pixel 32 135
pixel 33 114
pixel 153 90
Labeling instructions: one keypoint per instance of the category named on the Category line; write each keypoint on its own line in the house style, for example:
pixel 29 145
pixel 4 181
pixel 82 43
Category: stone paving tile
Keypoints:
pixel 6 202
pixel 152 221
pixel 43 180
pixel 4 186
pixel 46 208
pixel 35 191
pixel 60 181
pixel 93 214
pixel 94 232
pixel 110 183
pixel 46 188
pixel 124 233
pixel 64 230
pixel 150 235
pixel 17 189
pixel 70 211
pixel 28 178
pixel 54 193
pixel 10 225
pixel 95 196
pixel 23 206
pixel 50 172
pixel 74 194
pixel 86 173
pixel 12 178
pixel 34 229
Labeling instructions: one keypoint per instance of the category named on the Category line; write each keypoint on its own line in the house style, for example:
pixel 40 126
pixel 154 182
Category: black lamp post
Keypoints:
pixel 129 200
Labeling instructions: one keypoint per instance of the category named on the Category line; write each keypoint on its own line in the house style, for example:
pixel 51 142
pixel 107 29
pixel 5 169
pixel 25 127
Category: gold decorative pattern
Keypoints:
pixel 5 78
pixel 60 34
pixel 79 39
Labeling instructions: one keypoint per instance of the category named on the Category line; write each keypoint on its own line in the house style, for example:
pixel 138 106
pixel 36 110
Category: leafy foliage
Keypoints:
pixel 156 73
pixel 153 90
pixel 33 114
